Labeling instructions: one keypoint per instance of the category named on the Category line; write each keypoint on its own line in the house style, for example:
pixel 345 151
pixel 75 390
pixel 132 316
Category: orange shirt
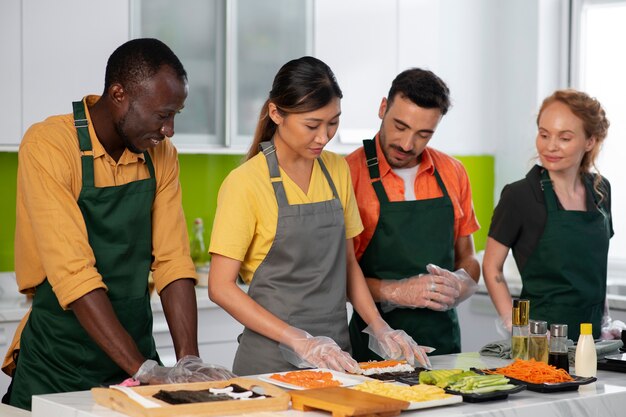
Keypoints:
pixel 50 235
pixel 451 171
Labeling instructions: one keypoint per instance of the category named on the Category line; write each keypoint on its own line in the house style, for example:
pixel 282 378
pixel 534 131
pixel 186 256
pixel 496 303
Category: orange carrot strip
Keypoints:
pixel 533 372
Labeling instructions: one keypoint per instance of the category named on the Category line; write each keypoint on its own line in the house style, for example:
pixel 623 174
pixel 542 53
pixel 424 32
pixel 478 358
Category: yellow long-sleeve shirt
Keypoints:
pixel 51 237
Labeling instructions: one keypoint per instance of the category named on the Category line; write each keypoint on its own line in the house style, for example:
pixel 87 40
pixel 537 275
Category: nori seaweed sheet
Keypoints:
pixel 198 396
pixel 397 376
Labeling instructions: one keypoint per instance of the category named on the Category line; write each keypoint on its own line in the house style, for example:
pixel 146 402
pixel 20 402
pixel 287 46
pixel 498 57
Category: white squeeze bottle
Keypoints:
pixel 586 362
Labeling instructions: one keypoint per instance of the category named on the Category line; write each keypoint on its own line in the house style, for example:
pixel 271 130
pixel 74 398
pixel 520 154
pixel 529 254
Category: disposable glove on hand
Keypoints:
pixel 202 371
pixel 504 324
pixel 460 279
pixel 424 291
pixel 306 351
pixel 611 329
pixel 396 344
pixel 187 369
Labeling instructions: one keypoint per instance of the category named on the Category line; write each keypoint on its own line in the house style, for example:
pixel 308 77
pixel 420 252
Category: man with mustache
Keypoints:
pixel 416 251
pixel 98 208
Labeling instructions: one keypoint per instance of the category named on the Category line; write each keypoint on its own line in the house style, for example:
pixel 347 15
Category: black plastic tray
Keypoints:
pixel 488 396
pixel 614 366
pixel 556 386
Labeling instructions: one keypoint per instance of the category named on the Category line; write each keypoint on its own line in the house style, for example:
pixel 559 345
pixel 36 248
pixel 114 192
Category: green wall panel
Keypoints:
pixel 200 179
pixel 8 176
pixel 481 171
pixel 201 176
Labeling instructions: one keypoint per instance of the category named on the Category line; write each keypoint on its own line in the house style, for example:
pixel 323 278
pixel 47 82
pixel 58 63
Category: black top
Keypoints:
pixel 520 217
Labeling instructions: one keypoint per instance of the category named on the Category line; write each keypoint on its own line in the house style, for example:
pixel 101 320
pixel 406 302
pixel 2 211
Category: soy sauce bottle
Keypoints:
pixel 558 347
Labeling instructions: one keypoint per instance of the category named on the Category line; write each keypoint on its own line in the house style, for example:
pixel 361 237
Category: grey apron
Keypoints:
pixel 302 280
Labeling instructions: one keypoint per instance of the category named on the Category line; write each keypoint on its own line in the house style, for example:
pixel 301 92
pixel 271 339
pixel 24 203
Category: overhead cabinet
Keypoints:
pixel 57 54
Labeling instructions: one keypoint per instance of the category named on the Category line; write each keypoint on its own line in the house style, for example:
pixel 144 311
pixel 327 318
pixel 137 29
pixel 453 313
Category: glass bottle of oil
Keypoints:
pixel 520 330
pixel 538 341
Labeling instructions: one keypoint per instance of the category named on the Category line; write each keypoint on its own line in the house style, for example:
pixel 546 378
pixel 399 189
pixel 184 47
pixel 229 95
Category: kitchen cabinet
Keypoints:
pixel 65 47
pixel 13 306
pixel 217 332
pixel 56 53
pixel 231 50
pixel 11 72
pixel 358 40
pixel 7 330
pixel 387 37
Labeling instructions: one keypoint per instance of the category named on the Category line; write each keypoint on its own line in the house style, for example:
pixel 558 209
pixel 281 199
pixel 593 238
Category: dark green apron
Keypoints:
pixel 409 235
pixel 56 354
pixel 565 276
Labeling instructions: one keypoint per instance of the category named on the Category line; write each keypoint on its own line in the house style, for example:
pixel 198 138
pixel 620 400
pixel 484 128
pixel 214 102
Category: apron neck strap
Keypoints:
pixel 84 142
pixel 548 191
pixel 371 159
pixel 269 150
pixel 81 123
pixel 327 175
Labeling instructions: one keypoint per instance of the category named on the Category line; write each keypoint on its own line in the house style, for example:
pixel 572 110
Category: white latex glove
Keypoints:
pixel 424 291
pixel 187 369
pixel 611 329
pixel 204 371
pixel 504 325
pixel 463 283
pixel 395 344
pixel 306 351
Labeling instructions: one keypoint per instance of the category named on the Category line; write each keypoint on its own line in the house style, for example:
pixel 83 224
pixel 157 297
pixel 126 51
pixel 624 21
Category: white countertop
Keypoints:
pixel 606 397
pixel 8 411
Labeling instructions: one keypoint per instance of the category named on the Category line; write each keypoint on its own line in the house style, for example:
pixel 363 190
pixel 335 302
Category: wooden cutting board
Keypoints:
pixel 119 401
pixel 346 402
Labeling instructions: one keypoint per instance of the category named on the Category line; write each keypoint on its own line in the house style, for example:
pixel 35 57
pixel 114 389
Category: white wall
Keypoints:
pixel 531 62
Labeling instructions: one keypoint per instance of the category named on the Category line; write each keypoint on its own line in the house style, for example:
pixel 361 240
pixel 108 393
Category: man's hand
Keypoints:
pixel 460 279
pixel 424 291
pixel 95 314
pixel 188 369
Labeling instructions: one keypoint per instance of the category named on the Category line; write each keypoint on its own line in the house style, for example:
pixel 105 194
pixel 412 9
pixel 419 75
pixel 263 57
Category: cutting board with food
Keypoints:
pixel 234 396
pixel 341 401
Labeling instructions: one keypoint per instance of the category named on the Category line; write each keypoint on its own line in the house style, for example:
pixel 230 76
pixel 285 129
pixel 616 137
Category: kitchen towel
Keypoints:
pixel 500 349
pixel 603 348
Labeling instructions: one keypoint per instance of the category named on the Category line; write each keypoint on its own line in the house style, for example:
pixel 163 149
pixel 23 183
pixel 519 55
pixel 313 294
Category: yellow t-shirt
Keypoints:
pixel 247 211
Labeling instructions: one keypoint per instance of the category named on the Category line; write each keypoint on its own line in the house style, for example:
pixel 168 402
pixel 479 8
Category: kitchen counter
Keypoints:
pixel 606 397
pixel 8 411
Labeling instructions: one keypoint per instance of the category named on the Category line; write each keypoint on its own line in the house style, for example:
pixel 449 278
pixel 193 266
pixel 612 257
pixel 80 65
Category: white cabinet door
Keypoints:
pixel 66 44
pixel 7 330
pixel 358 40
pixel 10 72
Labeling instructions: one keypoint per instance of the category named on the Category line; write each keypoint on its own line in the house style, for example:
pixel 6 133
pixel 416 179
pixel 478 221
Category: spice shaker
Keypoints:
pixel 520 330
pixel 538 341
pixel 558 346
